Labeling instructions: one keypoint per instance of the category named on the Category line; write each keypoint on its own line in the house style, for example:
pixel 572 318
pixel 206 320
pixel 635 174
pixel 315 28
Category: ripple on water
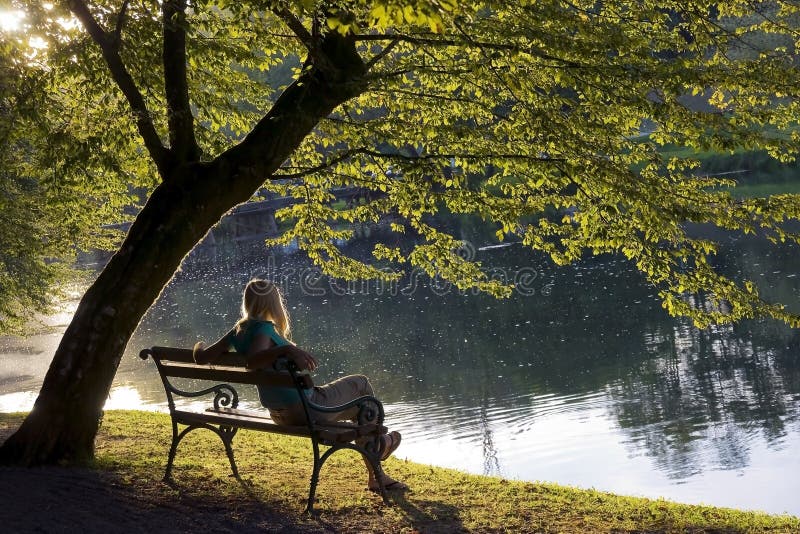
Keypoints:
pixel 528 423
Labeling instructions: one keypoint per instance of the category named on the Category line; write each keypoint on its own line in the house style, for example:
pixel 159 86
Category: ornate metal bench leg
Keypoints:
pixel 319 461
pixel 227 433
pixel 312 490
pixel 176 439
pixel 172 450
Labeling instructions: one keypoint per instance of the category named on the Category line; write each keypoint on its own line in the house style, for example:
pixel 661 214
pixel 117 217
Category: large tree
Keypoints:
pixel 545 118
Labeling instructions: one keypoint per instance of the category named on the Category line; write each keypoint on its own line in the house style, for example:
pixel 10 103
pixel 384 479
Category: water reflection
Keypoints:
pixel 580 379
pixel 702 397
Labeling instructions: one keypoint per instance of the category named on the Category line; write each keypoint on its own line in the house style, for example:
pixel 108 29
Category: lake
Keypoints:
pixel 579 378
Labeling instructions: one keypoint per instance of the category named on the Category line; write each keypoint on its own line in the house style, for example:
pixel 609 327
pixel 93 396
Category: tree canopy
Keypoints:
pixel 544 118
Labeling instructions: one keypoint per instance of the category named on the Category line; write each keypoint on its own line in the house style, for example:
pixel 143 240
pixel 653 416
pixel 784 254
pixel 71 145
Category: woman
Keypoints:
pixel 262 335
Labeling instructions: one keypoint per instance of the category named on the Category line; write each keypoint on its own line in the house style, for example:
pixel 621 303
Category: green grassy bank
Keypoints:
pixel 276 469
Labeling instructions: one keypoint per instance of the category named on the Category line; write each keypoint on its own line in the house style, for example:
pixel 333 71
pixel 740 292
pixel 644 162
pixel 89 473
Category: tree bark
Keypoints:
pixel 63 424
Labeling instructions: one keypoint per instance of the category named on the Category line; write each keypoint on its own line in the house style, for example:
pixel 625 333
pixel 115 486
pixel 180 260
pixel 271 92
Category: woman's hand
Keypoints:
pixel 302 359
pixel 205 355
pixel 197 352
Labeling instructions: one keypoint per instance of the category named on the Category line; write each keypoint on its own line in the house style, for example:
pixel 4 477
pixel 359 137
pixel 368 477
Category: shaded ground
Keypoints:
pixel 53 499
pixel 81 500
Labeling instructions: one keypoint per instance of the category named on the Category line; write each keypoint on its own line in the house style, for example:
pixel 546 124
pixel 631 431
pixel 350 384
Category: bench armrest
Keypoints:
pixel 225 395
pixel 370 409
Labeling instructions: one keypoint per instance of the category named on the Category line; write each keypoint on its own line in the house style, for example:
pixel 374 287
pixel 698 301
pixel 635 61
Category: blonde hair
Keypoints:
pixel 263 300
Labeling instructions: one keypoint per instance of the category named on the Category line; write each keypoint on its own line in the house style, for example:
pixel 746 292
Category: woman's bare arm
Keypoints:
pixel 211 354
pixel 263 353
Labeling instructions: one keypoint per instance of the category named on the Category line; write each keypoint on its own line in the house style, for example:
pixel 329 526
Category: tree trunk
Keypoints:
pixel 63 424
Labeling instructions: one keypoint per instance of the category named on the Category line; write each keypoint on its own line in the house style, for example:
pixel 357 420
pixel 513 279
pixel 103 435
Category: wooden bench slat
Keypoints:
pixel 324 432
pixel 170 353
pixel 241 421
pixel 228 359
pixel 231 374
pixel 361 430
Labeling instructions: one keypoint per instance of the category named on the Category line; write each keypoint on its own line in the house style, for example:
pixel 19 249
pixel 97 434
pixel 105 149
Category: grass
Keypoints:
pixel 134 446
pixel 765 189
pixel 757 173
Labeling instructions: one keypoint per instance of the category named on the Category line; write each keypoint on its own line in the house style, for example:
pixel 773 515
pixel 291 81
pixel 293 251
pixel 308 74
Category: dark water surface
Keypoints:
pixel 579 378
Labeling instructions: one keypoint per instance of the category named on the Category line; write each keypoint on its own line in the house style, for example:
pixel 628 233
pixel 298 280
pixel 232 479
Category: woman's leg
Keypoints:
pixel 340 392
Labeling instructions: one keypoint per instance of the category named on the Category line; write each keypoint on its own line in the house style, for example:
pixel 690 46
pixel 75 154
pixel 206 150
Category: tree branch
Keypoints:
pixel 297 28
pixel 431 157
pixel 427 41
pixel 181 123
pixel 432 41
pixel 313 96
pixel 347 154
pixel 321 167
pixel 312 42
pixel 121 20
pixel 109 47
pixel 380 55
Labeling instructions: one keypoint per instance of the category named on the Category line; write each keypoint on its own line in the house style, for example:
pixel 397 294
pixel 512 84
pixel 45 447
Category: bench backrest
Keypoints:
pixel 179 363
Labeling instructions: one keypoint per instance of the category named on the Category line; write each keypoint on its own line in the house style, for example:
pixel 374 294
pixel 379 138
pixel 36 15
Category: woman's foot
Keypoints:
pixel 390 443
pixel 389 484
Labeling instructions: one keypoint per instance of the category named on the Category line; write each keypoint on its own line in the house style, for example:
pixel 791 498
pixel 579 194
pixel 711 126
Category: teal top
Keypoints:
pixel 270 396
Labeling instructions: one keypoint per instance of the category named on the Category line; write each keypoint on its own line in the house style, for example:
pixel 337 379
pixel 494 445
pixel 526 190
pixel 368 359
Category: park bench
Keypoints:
pixel 224 418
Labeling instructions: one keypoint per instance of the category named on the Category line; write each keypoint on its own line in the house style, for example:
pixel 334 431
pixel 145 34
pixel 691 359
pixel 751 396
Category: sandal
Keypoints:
pixel 394 485
pixel 391 445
